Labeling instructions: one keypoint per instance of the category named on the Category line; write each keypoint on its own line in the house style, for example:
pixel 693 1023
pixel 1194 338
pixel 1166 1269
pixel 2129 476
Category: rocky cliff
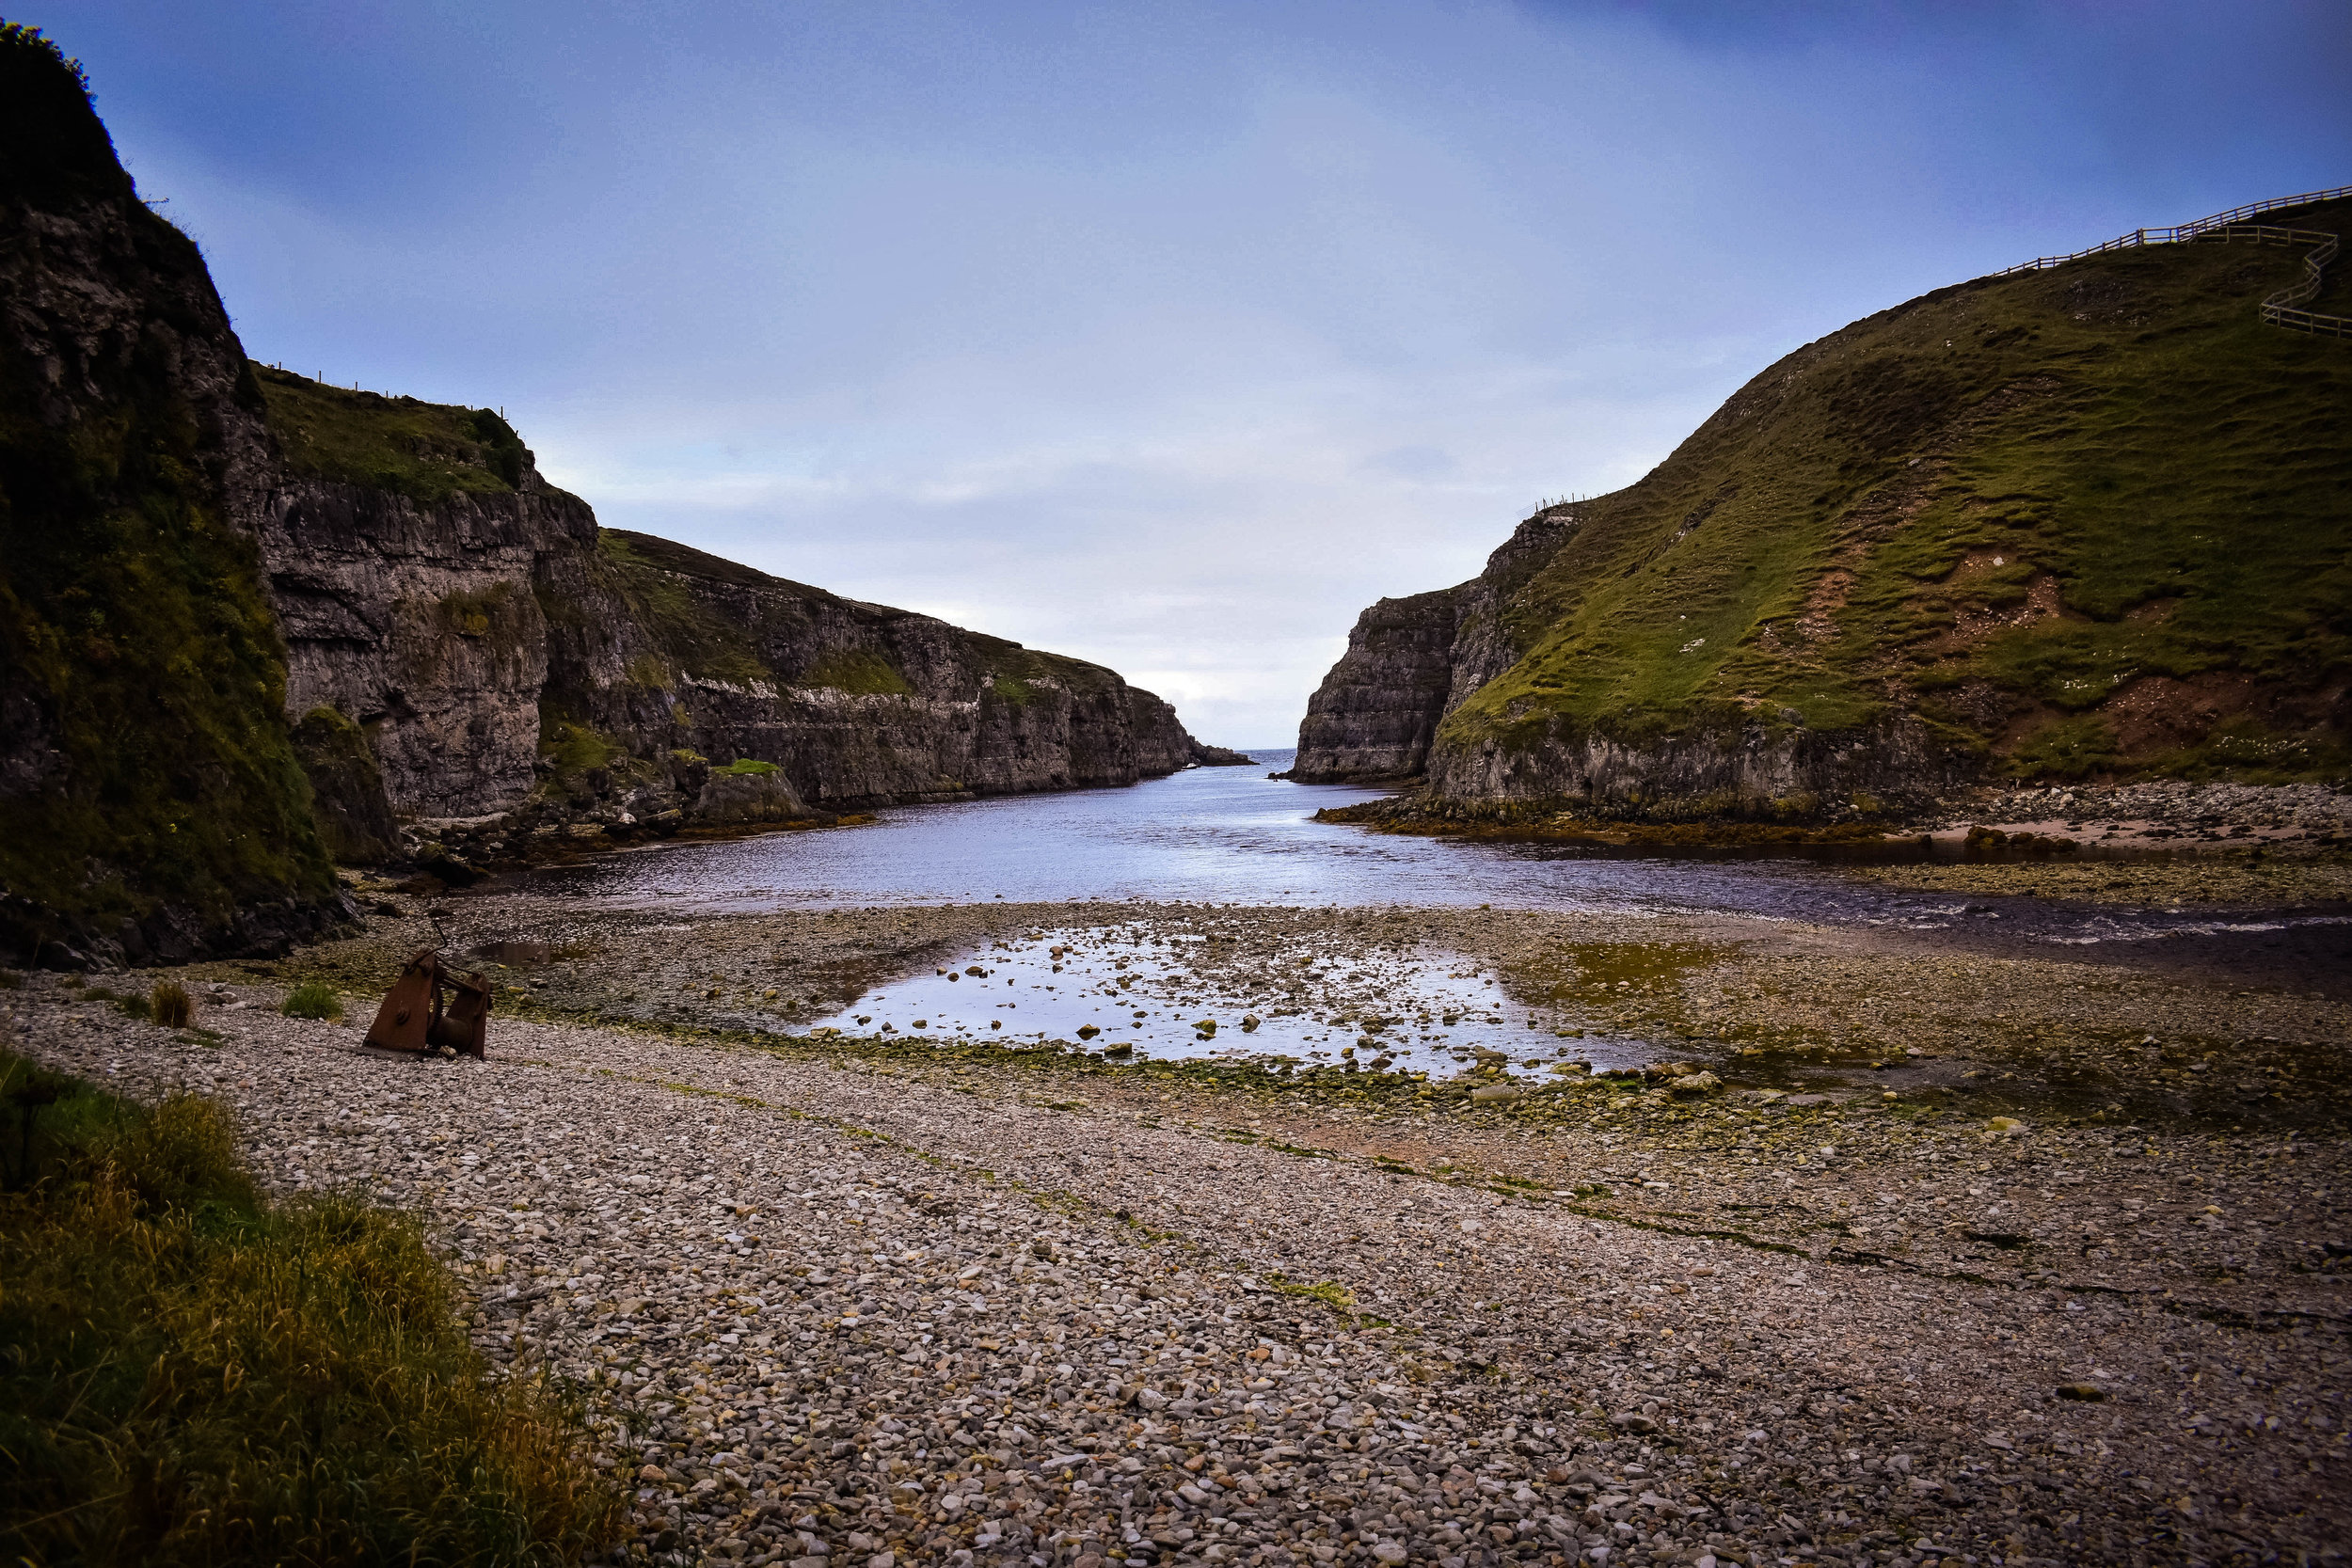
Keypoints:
pixel 511 669
pixel 2094 520
pixel 656 646
pixel 402 563
pixel 249 622
pixel 151 802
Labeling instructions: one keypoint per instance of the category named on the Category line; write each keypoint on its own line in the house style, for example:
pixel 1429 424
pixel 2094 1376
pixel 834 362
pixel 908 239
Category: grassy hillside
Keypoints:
pixel 2086 519
pixel 425 451
pixel 782 648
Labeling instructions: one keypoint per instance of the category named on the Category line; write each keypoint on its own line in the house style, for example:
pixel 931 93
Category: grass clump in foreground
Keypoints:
pixel 313 999
pixel 190 1373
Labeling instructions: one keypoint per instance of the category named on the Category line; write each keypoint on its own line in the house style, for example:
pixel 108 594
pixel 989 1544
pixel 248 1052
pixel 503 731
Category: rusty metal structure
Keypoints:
pixel 432 1007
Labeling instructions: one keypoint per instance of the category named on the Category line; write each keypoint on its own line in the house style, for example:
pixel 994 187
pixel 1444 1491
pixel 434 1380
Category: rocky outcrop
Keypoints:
pixel 659 647
pixel 151 806
pixel 750 792
pixel 507 659
pixel 419 622
pixel 1411 661
pixel 1377 711
pixel 1732 773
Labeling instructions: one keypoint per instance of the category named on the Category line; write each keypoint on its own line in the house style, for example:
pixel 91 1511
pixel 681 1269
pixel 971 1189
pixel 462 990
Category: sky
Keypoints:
pixel 1167 335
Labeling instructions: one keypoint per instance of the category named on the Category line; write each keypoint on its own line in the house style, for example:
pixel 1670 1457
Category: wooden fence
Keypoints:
pixel 2278 309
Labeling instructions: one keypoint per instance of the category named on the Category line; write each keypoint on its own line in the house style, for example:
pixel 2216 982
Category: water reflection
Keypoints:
pixel 1120 989
pixel 1232 835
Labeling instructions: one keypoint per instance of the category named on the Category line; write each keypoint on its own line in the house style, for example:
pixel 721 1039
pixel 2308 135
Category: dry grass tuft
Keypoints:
pixel 170 1004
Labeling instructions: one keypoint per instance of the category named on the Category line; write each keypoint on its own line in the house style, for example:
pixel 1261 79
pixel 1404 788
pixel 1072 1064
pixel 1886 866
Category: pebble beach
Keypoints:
pixel 1945 1261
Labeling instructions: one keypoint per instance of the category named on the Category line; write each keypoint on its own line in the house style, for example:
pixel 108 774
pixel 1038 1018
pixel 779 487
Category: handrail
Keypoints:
pixel 2278 309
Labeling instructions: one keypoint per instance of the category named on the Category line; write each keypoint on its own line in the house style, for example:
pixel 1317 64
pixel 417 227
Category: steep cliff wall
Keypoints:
pixel 402 563
pixel 151 803
pixel 2090 520
pixel 248 620
pixel 656 646
pixel 1379 709
pixel 499 654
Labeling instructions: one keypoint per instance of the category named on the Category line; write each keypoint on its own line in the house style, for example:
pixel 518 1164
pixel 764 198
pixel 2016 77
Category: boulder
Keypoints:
pixel 750 793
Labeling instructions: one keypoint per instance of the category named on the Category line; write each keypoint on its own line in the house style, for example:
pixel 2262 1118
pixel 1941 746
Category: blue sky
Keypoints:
pixel 1168 335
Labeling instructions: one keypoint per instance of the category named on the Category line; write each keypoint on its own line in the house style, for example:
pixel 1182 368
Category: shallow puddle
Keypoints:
pixel 1418 1007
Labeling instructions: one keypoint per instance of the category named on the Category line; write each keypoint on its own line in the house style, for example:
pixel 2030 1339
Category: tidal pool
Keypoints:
pixel 1421 1008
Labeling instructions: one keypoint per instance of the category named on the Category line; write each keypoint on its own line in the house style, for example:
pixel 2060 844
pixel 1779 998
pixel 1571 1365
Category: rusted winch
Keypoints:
pixel 432 1007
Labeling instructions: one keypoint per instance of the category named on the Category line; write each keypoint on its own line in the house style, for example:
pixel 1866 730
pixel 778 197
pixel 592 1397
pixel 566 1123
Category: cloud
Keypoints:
pixel 1167 336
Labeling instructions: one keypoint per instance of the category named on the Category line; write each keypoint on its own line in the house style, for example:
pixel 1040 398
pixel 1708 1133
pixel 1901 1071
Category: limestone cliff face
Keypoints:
pixel 1733 772
pixel 506 659
pixel 661 646
pixel 420 621
pixel 1377 710
pixel 1411 662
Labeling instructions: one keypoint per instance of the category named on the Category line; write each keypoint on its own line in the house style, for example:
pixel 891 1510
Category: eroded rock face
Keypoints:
pixel 487 641
pixel 1738 772
pixel 757 795
pixel 150 804
pixel 419 622
pixel 1376 712
pixel 662 648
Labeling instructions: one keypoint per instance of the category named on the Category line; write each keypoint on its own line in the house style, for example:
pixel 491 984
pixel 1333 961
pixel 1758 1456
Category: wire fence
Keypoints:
pixel 2278 308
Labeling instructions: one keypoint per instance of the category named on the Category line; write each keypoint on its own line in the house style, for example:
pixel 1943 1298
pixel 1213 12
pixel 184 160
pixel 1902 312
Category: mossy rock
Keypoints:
pixel 355 817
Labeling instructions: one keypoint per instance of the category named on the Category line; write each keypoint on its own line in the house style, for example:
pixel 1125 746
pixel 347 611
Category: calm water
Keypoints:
pixel 1423 1008
pixel 1232 835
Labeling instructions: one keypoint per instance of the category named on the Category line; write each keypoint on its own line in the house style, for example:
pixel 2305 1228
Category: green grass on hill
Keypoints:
pixel 190 1373
pixel 647 571
pixel 2088 518
pixel 427 452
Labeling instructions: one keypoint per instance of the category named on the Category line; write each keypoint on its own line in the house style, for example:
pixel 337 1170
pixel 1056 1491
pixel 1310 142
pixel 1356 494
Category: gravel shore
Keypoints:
pixel 844 1301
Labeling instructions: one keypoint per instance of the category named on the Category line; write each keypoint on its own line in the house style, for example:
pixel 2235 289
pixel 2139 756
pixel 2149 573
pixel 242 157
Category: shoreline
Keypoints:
pixel 1850 1208
pixel 2162 816
pixel 841 1282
